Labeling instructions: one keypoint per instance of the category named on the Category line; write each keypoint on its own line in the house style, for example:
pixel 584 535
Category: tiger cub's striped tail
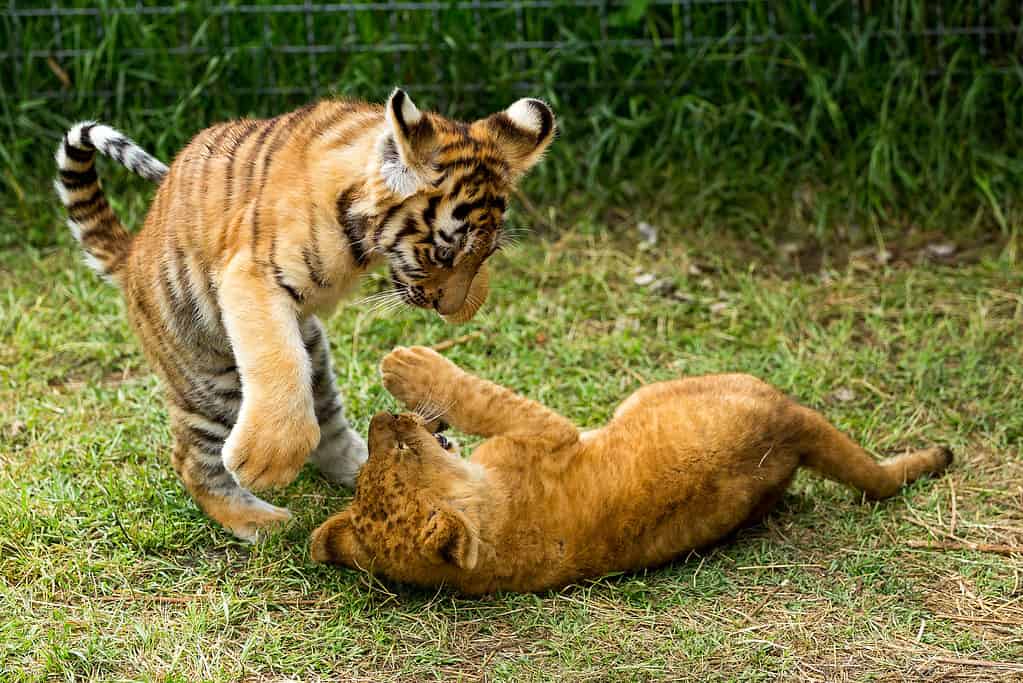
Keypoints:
pixel 92 221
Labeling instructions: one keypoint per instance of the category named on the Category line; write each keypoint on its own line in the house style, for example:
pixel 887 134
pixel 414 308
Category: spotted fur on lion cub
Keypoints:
pixel 258 227
pixel 541 505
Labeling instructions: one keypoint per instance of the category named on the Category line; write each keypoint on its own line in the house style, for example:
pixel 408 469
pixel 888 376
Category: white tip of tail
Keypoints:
pixel 61 159
pixel 101 135
pixel 74 136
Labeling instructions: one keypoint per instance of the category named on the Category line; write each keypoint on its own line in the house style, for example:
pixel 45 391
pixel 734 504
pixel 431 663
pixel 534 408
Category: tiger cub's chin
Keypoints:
pixel 478 291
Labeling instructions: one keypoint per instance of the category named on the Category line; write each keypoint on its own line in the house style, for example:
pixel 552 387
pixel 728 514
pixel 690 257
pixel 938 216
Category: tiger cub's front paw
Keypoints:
pixel 417 376
pixel 340 458
pixel 260 455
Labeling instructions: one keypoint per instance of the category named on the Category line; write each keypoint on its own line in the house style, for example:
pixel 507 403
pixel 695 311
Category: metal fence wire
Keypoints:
pixel 145 53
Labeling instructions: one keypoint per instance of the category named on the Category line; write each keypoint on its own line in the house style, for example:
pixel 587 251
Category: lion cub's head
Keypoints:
pixel 402 523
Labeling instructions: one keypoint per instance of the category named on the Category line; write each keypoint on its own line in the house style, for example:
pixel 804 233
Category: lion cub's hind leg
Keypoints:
pixel 834 455
pixel 341 451
pixel 199 465
pixel 908 467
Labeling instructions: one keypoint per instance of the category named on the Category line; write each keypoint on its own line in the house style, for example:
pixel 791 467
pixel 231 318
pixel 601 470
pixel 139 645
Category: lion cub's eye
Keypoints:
pixel 443 441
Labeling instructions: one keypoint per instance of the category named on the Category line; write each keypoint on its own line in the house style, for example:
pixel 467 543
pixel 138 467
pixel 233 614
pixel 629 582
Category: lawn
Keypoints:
pixel 109 572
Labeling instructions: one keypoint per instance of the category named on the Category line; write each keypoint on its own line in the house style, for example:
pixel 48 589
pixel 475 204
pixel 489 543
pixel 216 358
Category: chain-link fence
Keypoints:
pixel 905 103
pixel 142 51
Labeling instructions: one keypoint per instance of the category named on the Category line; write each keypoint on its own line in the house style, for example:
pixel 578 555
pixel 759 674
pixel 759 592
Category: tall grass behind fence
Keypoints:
pixel 717 109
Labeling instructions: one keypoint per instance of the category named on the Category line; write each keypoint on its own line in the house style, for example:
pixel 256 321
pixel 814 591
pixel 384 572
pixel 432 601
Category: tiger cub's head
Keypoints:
pixel 452 182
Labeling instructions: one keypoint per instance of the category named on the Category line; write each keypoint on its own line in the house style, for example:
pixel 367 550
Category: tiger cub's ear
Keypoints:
pixel 523 132
pixel 407 148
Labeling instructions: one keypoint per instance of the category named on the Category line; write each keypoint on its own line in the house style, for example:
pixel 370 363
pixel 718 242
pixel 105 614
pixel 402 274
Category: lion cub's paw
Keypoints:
pixel 416 375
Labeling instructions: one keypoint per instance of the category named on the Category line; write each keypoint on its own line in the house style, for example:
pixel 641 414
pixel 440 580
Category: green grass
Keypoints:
pixel 776 171
pixel 875 124
pixel 109 572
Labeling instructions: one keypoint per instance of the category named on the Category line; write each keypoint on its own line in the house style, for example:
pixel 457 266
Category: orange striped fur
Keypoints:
pixel 260 226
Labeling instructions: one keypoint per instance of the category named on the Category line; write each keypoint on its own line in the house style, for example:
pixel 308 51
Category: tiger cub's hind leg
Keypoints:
pixel 341 451
pixel 198 463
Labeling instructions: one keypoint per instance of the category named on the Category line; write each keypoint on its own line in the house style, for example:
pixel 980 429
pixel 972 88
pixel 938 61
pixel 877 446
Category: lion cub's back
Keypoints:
pixel 717 406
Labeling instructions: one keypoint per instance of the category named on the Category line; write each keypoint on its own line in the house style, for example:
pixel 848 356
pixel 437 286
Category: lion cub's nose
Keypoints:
pixel 383 420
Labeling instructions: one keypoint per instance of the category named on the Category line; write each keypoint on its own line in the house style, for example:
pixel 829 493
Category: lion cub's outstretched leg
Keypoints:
pixel 828 451
pixel 426 381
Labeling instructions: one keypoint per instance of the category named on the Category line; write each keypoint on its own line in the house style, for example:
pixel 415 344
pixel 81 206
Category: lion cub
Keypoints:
pixel 541 504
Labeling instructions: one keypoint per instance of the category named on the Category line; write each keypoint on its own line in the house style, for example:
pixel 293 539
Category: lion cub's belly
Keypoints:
pixel 679 471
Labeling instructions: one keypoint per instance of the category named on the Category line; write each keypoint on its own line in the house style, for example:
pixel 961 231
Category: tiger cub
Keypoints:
pixel 540 504
pixel 261 226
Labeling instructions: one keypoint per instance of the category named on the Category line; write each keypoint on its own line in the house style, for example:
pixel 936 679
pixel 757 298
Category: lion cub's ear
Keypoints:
pixel 448 537
pixel 334 542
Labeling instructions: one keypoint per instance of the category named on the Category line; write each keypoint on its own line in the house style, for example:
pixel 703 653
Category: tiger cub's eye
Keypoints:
pixel 444 253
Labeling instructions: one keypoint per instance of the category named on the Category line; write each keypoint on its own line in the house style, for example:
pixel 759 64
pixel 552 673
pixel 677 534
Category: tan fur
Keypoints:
pixel 539 505
pixel 260 226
